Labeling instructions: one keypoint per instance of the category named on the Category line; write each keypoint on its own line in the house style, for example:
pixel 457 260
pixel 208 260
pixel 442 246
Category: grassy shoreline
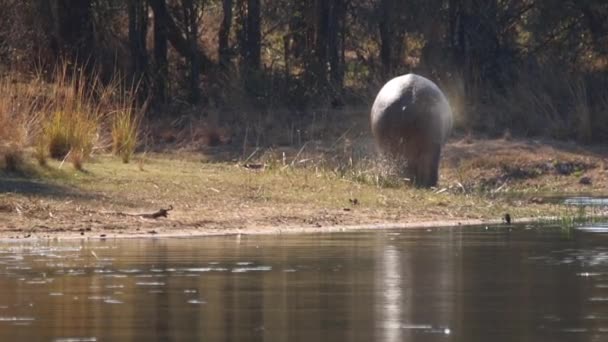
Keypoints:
pixel 275 192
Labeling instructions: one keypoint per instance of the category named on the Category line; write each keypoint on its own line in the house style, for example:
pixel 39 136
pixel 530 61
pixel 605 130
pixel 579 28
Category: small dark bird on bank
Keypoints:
pixel 507 218
pixel 585 181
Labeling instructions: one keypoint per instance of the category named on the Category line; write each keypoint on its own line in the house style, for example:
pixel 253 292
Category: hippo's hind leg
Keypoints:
pixel 397 156
pixel 427 166
pixel 410 154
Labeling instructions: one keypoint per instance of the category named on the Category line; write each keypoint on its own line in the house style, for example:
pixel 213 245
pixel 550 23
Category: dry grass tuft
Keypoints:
pixel 66 119
pixel 72 124
pixel 20 108
pixel 125 125
pixel 71 133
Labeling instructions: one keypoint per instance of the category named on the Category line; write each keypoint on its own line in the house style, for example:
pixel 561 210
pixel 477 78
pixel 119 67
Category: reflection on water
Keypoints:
pixel 595 228
pixel 388 281
pixel 587 201
pixel 466 284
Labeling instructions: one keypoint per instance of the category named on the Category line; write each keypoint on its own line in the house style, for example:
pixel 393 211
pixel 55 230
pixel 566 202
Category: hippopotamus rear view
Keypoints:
pixel 411 120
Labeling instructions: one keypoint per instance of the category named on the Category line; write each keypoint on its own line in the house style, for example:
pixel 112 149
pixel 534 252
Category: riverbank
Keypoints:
pixel 311 188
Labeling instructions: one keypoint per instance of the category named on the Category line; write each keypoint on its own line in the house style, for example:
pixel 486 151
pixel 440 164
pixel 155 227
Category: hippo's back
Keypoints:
pixel 411 102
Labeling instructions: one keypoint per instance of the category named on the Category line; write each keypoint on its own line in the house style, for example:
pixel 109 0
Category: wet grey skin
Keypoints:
pixel 411 120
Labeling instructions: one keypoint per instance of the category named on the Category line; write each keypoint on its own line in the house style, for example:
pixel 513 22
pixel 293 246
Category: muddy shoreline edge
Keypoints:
pixel 272 231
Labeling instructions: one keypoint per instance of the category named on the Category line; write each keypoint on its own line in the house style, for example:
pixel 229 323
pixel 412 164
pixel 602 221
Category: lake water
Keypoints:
pixel 467 284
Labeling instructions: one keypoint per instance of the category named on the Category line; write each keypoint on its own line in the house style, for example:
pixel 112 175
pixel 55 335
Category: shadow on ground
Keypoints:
pixel 34 187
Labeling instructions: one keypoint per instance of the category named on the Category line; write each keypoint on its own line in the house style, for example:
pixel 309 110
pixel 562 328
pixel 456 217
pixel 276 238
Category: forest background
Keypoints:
pixel 249 67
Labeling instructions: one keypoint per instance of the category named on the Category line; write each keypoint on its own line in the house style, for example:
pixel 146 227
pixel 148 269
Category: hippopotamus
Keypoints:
pixel 411 120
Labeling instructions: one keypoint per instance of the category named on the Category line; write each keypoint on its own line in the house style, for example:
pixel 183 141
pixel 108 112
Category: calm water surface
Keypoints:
pixel 470 284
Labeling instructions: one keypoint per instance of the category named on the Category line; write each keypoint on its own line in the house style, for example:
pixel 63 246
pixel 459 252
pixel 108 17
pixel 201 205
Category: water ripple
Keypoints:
pixel 251 269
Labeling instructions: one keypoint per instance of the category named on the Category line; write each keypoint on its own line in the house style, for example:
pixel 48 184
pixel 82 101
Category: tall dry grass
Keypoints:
pixel 73 121
pixel 20 115
pixel 549 102
pixel 125 122
pixel 67 118
pixel 20 107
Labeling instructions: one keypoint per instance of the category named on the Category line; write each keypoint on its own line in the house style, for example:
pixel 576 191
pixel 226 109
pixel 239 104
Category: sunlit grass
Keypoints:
pixel 20 106
pixel 125 127
pixel 73 122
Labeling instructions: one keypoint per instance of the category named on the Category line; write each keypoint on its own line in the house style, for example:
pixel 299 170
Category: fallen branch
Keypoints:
pixel 162 212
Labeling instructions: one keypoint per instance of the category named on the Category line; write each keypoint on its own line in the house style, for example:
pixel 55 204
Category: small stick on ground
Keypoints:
pixel 162 212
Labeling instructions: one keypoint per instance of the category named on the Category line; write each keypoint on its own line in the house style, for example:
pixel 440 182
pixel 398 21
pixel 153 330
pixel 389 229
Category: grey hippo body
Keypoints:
pixel 411 119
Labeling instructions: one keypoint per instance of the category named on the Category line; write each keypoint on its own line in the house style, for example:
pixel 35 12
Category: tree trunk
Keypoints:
pixel 224 34
pixel 192 31
pixel 73 30
pixel 160 59
pixel 391 27
pixel 138 29
pixel 295 39
pixel 175 35
pixel 241 29
pixel 385 28
pixel 321 39
pixel 335 42
pixel 254 35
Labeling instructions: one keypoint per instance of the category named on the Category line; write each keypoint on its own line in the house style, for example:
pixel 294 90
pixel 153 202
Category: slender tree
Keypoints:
pixel 224 34
pixel 335 42
pixel 191 18
pixel 138 29
pixel 249 33
pixel 254 35
pixel 391 27
pixel 161 74
pixel 184 38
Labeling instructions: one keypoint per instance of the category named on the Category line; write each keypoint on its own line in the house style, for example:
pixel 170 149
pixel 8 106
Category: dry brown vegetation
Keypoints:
pixel 66 118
